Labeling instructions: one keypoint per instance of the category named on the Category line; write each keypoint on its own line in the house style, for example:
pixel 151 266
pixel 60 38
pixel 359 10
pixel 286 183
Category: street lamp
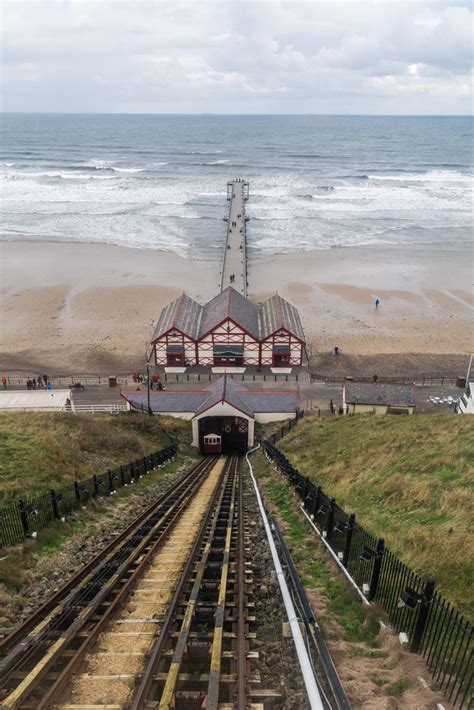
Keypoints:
pixel 150 411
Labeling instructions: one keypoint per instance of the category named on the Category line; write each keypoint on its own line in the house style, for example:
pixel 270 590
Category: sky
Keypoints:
pixel 245 57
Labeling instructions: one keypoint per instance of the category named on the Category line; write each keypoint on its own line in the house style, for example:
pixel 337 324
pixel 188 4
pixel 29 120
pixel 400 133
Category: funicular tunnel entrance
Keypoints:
pixel 233 433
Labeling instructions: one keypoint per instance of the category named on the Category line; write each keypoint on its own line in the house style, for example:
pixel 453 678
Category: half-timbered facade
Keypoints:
pixel 229 331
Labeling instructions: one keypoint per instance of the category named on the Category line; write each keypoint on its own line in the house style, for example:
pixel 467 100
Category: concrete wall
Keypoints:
pixel 266 417
pixel 374 408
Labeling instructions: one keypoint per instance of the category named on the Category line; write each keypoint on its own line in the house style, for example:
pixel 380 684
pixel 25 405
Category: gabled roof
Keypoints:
pixel 230 304
pixel 379 393
pixel 277 313
pixel 183 313
pixel 225 390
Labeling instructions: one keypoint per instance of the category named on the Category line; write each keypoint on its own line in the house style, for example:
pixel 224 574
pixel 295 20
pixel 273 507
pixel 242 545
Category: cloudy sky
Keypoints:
pixel 250 56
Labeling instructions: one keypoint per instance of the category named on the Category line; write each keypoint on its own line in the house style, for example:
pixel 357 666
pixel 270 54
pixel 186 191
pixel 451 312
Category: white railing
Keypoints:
pixel 98 408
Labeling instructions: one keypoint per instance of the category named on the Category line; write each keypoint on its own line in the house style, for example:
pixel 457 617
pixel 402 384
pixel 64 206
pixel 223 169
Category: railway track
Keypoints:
pixel 35 654
pixel 161 618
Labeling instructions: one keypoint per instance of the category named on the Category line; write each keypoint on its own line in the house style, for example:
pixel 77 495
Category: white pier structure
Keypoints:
pixel 234 262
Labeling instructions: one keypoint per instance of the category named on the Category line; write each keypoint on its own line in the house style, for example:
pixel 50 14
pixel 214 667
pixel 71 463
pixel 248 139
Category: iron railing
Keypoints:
pixel 434 628
pixel 23 519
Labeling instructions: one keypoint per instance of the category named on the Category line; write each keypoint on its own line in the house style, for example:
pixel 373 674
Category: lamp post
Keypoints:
pixel 150 411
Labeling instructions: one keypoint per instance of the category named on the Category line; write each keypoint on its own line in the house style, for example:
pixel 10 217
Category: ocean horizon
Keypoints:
pixel 316 181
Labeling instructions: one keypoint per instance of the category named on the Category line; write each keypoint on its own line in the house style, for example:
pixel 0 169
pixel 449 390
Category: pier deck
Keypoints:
pixel 234 262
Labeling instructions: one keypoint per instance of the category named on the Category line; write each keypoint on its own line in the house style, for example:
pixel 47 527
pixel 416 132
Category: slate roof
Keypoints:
pixel 379 393
pixel 230 304
pixel 277 313
pixel 261 321
pixel 224 389
pixel 183 313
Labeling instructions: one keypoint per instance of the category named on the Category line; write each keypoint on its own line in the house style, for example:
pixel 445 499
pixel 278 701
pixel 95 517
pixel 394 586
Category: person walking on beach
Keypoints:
pixel 377 303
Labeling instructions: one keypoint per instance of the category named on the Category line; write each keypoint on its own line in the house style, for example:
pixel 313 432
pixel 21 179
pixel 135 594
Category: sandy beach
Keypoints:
pixel 70 307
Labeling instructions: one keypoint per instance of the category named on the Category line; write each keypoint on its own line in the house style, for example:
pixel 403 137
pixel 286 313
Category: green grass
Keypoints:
pixel 18 563
pixel 408 479
pixel 356 623
pixel 41 451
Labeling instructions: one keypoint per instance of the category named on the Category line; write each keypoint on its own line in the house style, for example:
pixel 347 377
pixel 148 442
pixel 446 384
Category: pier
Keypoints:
pixel 234 261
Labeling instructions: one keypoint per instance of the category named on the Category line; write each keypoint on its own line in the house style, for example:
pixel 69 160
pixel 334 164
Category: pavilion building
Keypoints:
pixel 228 331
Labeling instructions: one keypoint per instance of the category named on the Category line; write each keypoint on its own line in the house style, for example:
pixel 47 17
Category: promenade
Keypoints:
pixel 234 262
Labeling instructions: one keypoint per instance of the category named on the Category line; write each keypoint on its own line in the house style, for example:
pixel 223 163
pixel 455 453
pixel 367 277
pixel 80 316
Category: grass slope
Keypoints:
pixel 39 451
pixel 408 479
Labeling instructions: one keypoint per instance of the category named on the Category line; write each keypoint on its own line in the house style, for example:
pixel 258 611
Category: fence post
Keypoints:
pixel 347 546
pixel 379 550
pixel 76 491
pixel 305 490
pixel 330 521
pixel 316 501
pixel 111 481
pixel 54 503
pixel 23 516
pixel 423 615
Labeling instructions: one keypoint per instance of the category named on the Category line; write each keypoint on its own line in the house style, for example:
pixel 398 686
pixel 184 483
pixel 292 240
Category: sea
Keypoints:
pixel 316 182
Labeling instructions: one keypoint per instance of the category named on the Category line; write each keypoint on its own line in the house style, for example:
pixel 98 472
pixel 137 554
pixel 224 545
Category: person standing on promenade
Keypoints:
pixel 4 382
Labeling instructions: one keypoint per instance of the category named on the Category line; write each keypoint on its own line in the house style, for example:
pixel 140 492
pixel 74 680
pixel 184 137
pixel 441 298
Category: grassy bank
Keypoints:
pixel 373 667
pixel 41 451
pixel 408 479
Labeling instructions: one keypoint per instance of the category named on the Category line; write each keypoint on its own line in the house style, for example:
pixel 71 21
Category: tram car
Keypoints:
pixel 212 444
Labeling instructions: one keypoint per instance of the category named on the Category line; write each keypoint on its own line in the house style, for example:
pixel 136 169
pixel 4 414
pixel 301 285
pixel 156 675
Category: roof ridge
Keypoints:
pixel 280 310
pixel 178 306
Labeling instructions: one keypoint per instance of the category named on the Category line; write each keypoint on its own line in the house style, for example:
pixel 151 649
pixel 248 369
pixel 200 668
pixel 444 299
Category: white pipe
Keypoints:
pixel 351 580
pixel 336 558
pixel 312 689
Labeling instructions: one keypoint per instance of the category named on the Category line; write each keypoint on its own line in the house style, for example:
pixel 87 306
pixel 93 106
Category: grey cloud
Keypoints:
pixel 241 57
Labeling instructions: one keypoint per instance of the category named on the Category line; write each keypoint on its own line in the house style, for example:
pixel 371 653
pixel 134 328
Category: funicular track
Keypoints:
pixel 201 658
pixel 35 655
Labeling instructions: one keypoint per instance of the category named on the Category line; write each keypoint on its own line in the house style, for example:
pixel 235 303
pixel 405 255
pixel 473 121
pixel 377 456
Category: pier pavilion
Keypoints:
pixel 229 332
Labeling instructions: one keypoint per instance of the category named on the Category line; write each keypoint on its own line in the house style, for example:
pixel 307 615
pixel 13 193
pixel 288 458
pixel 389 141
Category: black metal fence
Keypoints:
pixel 24 519
pixel 434 628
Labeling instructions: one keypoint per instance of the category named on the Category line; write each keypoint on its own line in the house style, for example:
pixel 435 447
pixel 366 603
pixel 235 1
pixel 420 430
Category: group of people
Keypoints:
pixel 232 278
pixel 138 377
pixel 38 383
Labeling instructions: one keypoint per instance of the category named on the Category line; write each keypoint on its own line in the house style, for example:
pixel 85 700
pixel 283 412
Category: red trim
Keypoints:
pixel 173 327
pixel 239 325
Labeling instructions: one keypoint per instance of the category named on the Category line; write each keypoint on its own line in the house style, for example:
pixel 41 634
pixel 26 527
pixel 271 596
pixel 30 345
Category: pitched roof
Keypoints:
pixel 183 313
pixel 167 400
pixel 379 393
pixel 230 304
pixel 225 390
pixel 277 313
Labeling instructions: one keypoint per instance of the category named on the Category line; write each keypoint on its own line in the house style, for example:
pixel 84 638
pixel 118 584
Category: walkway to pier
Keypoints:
pixel 234 263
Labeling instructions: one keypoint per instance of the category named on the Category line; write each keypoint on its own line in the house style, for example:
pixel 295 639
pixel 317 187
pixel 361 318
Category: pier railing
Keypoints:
pixel 433 627
pixel 23 519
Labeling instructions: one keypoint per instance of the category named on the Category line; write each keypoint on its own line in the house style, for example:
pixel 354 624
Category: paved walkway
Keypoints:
pixel 234 263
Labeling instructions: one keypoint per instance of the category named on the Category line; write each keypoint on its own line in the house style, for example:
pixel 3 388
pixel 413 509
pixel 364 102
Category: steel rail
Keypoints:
pixel 215 571
pixel 339 695
pixel 180 498
pixel 49 625
pixel 241 637
pixel 20 631
pixel 142 692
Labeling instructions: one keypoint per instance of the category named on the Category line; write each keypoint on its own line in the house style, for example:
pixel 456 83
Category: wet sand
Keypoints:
pixel 88 308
